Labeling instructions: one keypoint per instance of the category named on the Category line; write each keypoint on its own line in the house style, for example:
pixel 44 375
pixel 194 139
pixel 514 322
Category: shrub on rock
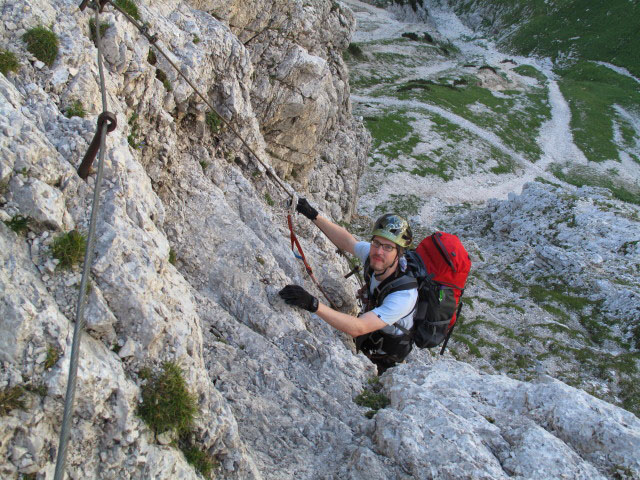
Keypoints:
pixel 42 43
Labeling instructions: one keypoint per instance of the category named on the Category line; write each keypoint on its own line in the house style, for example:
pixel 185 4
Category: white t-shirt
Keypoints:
pixel 397 307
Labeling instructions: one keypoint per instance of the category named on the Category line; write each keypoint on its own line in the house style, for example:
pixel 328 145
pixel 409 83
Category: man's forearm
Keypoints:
pixel 354 326
pixel 339 236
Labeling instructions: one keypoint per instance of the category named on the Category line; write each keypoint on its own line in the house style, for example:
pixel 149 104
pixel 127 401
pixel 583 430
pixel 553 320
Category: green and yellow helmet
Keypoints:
pixel 395 228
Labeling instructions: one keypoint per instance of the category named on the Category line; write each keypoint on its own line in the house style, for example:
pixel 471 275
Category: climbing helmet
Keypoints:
pixel 393 227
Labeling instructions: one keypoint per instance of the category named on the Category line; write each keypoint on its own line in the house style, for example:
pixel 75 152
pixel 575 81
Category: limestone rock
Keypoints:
pixel 192 247
pixel 501 427
pixel 39 201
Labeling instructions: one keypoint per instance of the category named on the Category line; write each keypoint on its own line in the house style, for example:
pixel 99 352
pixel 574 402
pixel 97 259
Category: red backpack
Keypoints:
pixel 441 265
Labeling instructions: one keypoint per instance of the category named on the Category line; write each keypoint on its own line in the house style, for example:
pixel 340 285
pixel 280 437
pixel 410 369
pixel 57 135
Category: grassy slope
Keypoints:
pixel 600 31
pixel 592 90
pixel 575 35
pixel 570 337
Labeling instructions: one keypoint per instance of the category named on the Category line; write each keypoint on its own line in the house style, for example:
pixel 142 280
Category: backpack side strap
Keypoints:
pixel 446 339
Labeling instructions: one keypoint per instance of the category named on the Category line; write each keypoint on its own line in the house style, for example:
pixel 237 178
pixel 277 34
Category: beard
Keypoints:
pixel 379 265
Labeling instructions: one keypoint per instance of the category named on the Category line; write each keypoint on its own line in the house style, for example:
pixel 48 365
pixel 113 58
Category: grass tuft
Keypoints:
pixel 198 458
pixel 151 57
pixel 104 26
pixel 213 121
pixel 8 62
pixel 18 223
pixel 130 7
pixel 354 51
pixel 76 109
pixel 132 138
pixel 69 248
pixel 53 355
pixel 42 43
pixel 372 398
pixel 160 75
pixel 167 404
pixel 11 399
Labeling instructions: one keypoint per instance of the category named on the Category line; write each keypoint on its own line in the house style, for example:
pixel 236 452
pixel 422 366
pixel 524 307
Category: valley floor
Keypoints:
pixel 460 131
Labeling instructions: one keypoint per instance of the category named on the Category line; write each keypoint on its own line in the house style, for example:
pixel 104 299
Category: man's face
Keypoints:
pixel 382 254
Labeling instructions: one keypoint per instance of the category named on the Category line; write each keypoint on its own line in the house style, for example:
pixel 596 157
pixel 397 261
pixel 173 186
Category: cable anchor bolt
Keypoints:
pixel 104 118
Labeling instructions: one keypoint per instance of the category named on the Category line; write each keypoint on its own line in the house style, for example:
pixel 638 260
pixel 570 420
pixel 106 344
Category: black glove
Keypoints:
pixel 298 296
pixel 305 209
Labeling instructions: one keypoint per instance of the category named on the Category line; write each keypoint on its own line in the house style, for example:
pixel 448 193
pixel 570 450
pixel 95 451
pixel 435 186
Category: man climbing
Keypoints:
pixel 382 330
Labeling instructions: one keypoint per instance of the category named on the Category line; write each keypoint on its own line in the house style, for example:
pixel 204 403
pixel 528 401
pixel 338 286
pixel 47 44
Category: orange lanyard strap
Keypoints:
pixel 295 243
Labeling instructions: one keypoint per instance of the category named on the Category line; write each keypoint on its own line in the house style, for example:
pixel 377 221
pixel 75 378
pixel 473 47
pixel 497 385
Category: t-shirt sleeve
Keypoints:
pixel 361 250
pixel 396 305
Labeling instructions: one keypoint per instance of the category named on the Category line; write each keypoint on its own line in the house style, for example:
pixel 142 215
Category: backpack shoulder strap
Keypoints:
pixel 366 272
pixel 403 282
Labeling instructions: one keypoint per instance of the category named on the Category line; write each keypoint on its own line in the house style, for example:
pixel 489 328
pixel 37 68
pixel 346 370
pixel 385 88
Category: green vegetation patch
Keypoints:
pixel 393 60
pixel 392 134
pixel 18 223
pixel 514 116
pixel 11 398
pixel 413 3
pixel 151 57
pixel 630 396
pixel 53 355
pixel 214 122
pixel 134 128
pixel 130 7
pixel 555 311
pixel 104 26
pixel 592 92
pixel 581 175
pixel 167 404
pixel 372 398
pixel 568 298
pixel 406 205
pixel 529 71
pixel 361 81
pixel 606 31
pixel 470 344
pixel 597 330
pixel 69 248
pixel 162 76
pixel 42 43
pixel 75 109
pixel 448 160
pixel 196 457
pixel 8 62
pixel 353 51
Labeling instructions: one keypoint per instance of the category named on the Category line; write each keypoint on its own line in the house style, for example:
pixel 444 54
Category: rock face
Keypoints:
pixel 191 249
pixel 554 290
pixel 501 428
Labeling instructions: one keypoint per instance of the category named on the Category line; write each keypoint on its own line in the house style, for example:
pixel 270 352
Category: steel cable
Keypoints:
pixel 79 321
pixel 153 41
pixel 88 257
